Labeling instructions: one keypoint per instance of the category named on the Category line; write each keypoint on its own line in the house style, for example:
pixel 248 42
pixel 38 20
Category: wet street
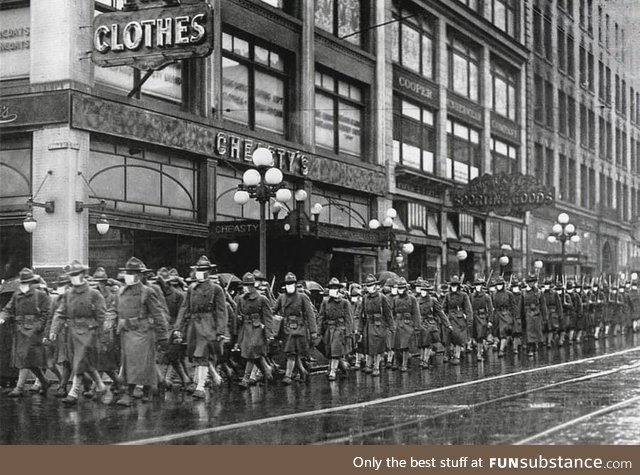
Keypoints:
pixel 582 394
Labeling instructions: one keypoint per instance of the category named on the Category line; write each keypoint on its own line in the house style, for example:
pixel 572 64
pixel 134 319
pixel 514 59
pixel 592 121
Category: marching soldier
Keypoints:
pixel 390 291
pixel 298 326
pixel 59 348
pixel 482 307
pixel 555 317
pixel 635 305
pixel 518 317
pixel 407 322
pixel 432 318
pixel 377 322
pixel 355 299
pixel 141 325
pixel 255 315
pixel 204 313
pixel 336 326
pixel 83 310
pixel 578 325
pixel 457 306
pixel 588 308
pixel 28 310
pixel 534 310
pixel 505 310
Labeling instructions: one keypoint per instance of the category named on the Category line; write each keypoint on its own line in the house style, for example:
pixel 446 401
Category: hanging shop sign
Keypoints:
pixel 504 194
pixel 150 38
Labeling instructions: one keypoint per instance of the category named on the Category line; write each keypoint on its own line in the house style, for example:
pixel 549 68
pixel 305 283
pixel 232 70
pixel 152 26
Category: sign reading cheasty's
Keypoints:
pixel 151 38
pixel 504 194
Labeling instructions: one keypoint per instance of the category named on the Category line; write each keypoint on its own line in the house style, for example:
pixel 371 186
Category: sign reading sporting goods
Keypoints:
pixel 150 38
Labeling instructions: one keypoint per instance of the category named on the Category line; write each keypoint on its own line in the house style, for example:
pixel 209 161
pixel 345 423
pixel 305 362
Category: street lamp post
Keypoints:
pixel 563 231
pixel 262 183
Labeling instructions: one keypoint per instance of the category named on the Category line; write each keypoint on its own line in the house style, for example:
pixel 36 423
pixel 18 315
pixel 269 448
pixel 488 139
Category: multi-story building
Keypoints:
pixel 585 133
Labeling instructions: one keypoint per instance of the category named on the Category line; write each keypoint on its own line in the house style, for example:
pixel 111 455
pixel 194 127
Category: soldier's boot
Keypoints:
pixel 570 338
pixel 377 362
pixel 168 377
pixel 390 358
pixel 255 375
pixel 516 345
pixel 304 374
pixel 607 328
pixel 405 361
pixel 266 369
pixel 101 388
pixel 479 351
pixel 127 399
pixel 578 336
pixel 635 326
pixel 503 347
pixel 457 349
pixel 358 362
pixel 244 382
pixel 333 365
pixel 343 365
pixel 44 383
pixel 616 330
pixel 18 391
pixel 549 339
pixel 596 333
pixel 216 379
pixel 74 393
pixel 201 373
pixel 368 367
pixel 423 357
pixel 291 363
pixel 532 349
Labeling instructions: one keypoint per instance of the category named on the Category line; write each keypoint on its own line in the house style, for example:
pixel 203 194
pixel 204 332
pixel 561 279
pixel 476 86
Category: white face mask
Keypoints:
pixel 290 288
pixel 354 299
pixel 499 287
pixel 371 289
pixel 478 288
pixel 401 291
pixel 622 291
pixel 333 292
pixel 24 288
pixel 394 291
pixel 454 288
pixel 76 279
pixel 547 287
pixel 423 293
pixel 200 276
pixel 130 279
pixel 516 290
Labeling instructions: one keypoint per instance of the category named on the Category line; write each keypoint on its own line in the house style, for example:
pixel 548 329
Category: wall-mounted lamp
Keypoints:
pixel 233 246
pixel 316 209
pixel 30 222
pixel 461 255
pixel 102 225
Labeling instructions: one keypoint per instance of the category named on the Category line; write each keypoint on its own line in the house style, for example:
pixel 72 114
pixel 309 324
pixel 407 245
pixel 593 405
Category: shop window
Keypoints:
pixel 15 170
pixel 414 138
pixel 254 84
pixel 343 209
pixel 341 18
pixel 472 4
pixel 505 90
pixel 466 226
pixel 505 156
pixel 463 152
pixel 339 112
pixel 412 40
pixel 503 14
pixel 464 61
pixel 15 251
pixel 134 180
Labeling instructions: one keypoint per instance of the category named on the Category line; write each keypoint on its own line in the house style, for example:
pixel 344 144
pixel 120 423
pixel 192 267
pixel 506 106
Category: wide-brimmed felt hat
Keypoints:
pixel 478 281
pixel 163 273
pixel 249 279
pixel 370 280
pixel 134 265
pixel 27 275
pixel 63 279
pixel 334 283
pixel 532 278
pixel 258 275
pixel 100 275
pixel 204 263
pixel 455 280
pixel 290 278
pixel 402 283
pixel 76 267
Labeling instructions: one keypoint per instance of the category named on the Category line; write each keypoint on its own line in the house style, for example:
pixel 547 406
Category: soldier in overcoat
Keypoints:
pixel 204 310
pixel 256 319
pixel 355 300
pixel 431 318
pixel 59 352
pixel 141 326
pixel 336 326
pixel 377 321
pixel 298 326
pixel 82 309
pixel 553 300
pixel 29 311
pixel 482 307
pixel 406 314
pixel 634 294
pixel 625 308
pixel 534 310
pixel 518 318
pixel 457 306
pixel 504 315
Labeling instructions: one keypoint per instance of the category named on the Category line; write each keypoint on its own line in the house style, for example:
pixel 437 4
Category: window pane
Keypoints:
pixel 261 55
pixel 460 75
pixel 343 88
pixel 275 61
pixel 473 81
pixel 411 110
pixel 324 121
pixel 350 124
pixel 511 113
pixel 324 15
pixel 500 15
pixel 269 102
pixel 428 162
pixel 235 91
pixel 427 117
pixel 500 96
pixel 461 131
pixel 241 47
pixel 411 156
pixel 349 19
pixel 143 185
pixel 396 151
pixel 355 93
pixel 227 42
pixel 395 41
pixel 410 48
pixel 427 57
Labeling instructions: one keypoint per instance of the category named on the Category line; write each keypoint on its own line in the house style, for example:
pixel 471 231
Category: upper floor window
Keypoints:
pixel 504 83
pixel 109 5
pixel 254 84
pixel 503 14
pixel 472 4
pixel 505 156
pixel 464 63
pixel 342 18
pixel 463 152
pixel 412 40
pixel 414 137
pixel 339 114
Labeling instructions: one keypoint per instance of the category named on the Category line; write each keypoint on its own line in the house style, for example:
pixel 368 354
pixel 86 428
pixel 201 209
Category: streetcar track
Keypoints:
pixel 359 405
pixel 470 407
pixel 577 420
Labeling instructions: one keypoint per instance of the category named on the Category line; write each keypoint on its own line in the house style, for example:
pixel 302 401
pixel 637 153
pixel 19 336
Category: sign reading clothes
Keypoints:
pixel 504 194
pixel 151 38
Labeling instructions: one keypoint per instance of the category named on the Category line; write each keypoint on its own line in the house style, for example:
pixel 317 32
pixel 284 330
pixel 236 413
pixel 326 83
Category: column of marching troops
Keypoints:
pixel 155 330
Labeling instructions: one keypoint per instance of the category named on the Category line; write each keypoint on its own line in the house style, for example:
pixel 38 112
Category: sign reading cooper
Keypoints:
pixel 504 194
pixel 150 38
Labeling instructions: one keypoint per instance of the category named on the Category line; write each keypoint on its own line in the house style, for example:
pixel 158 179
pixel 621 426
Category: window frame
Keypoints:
pixel 468 56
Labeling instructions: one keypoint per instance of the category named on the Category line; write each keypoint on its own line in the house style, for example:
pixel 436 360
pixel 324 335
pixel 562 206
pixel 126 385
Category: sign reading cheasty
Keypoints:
pixel 504 194
pixel 151 38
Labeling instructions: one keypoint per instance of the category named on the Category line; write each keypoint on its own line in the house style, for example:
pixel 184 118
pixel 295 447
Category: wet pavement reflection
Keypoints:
pixel 467 404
